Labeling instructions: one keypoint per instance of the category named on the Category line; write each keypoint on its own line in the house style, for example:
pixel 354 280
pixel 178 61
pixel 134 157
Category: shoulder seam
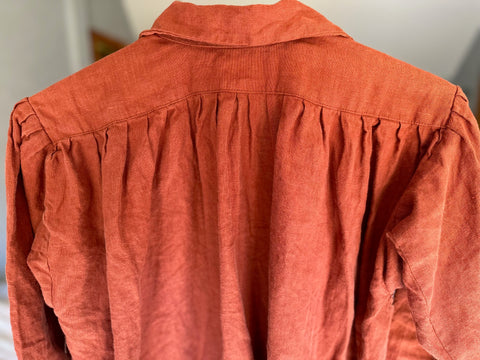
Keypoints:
pixel 449 123
pixel 457 88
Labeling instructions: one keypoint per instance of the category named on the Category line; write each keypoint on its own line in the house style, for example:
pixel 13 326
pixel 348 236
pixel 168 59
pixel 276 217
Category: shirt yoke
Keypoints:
pixel 334 72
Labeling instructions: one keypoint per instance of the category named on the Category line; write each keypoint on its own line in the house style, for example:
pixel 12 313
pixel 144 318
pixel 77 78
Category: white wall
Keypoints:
pixel 108 17
pixel 42 42
pixel 77 30
pixel 430 34
pixel 433 35
pixel 33 55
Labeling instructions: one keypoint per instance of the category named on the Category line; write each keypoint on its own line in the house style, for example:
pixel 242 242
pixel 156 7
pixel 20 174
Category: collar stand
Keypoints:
pixel 240 26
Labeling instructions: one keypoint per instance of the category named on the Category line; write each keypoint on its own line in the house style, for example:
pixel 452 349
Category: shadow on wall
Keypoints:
pixel 104 45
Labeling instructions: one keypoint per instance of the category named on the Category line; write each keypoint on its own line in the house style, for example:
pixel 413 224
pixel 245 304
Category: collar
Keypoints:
pixel 247 25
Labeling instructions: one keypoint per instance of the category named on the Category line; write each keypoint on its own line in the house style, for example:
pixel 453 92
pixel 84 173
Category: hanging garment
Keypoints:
pixel 244 182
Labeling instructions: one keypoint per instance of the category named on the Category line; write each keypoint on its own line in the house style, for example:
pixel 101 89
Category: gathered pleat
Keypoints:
pixel 230 213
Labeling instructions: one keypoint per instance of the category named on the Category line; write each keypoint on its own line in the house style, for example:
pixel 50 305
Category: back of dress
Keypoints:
pixel 244 182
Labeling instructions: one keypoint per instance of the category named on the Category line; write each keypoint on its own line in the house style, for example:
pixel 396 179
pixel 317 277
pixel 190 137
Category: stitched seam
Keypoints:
pixel 210 44
pixel 461 115
pixel 44 220
pixel 452 111
pixel 26 117
pixel 390 236
pixel 250 92
pixel 38 118
pixel 48 266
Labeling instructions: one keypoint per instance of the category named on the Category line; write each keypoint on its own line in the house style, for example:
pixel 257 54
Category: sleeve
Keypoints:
pixel 35 330
pixel 435 229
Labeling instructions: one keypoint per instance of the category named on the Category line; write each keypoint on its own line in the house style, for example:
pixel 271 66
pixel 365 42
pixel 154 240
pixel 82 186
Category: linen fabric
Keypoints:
pixel 244 182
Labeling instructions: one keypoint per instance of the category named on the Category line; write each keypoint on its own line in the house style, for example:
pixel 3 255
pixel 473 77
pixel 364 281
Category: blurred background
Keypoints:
pixel 44 41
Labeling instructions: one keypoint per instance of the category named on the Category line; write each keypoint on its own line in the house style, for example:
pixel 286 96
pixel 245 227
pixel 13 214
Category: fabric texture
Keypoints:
pixel 244 182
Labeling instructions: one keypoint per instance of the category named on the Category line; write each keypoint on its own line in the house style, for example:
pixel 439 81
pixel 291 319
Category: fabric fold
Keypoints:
pixel 246 208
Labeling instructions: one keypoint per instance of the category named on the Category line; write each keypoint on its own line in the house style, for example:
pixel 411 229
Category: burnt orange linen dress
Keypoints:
pixel 244 182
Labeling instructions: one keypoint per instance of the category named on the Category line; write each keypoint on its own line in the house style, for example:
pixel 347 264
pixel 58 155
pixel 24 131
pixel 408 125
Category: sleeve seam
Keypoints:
pixel 450 123
pixel 390 236
pixel 452 106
